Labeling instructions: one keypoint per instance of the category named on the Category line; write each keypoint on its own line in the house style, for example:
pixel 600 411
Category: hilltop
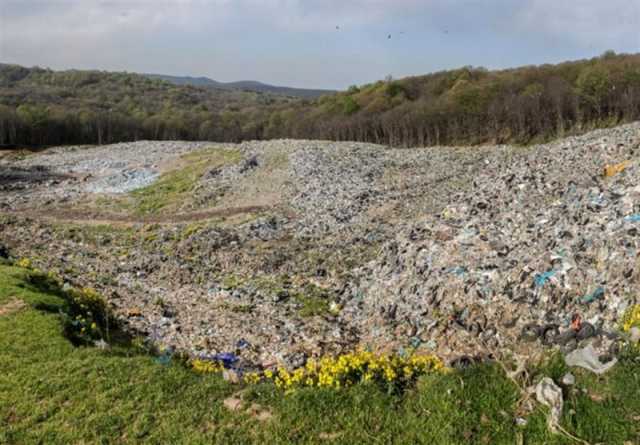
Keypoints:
pixel 242 85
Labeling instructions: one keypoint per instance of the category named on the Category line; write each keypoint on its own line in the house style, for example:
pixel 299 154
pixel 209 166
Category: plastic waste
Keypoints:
pixel 458 271
pixel 587 358
pixel 633 218
pixel 612 170
pixel 595 295
pixel 163 359
pixel 541 278
pixel 635 334
pixel 227 359
pixel 550 394
pixel 568 379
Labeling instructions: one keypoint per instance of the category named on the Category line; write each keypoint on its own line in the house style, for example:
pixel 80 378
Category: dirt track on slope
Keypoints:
pixel 105 217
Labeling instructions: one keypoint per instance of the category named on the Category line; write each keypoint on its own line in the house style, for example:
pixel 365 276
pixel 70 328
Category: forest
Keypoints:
pixel 469 105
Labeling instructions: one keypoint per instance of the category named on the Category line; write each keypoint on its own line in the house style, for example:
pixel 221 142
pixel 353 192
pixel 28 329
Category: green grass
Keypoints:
pixel 174 186
pixel 53 392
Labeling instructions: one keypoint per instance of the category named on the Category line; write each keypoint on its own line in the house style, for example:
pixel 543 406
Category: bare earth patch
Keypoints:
pixel 11 307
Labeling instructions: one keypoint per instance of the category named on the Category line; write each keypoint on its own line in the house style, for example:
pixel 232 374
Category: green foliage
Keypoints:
pixel 349 105
pixel 353 89
pixel 392 89
pixel 466 105
pixel 594 84
pixel 534 90
pixel 313 301
pixel 33 115
pixel 85 315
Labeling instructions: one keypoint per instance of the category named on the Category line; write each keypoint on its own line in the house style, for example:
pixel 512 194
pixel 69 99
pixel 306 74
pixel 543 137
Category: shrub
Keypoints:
pixel 87 318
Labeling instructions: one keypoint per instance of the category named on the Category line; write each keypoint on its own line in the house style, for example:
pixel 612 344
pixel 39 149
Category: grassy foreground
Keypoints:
pixel 54 392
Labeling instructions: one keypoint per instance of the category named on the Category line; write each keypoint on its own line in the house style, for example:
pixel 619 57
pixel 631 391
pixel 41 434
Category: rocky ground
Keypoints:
pixel 281 250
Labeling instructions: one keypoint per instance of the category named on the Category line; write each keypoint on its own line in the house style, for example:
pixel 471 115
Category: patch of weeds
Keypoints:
pixel 243 308
pixel 97 235
pixel 173 188
pixel 631 318
pixel 85 315
pixel 106 280
pixel 230 282
pixel 189 230
pixel 313 300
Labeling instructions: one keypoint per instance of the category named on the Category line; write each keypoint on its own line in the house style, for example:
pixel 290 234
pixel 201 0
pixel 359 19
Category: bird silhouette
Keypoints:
pixel 389 36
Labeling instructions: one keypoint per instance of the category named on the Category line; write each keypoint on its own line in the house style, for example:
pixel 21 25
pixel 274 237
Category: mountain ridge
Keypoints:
pixel 243 85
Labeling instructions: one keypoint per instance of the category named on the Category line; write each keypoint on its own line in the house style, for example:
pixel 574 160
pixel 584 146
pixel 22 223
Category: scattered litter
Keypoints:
pixel 101 344
pixel 568 379
pixel 134 312
pixel 230 376
pixel 635 334
pixel 458 271
pixel 593 296
pixel 633 218
pixel 542 278
pixel 12 306
pixel 227 359
pixel 576 322
pixel 334 308
pixel 612 170
pixel 329 436
pixel 521 421
pixel 232 403
pixel 550 395
pixel 587 358
pixel 165 358
pixel 259 413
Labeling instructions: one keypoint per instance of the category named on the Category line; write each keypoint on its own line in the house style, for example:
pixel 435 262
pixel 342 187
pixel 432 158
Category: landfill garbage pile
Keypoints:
pixel 542 251
pixel 293 249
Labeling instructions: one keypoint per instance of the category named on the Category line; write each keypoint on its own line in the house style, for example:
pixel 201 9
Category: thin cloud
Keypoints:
pixel 585 22
pixel 296 41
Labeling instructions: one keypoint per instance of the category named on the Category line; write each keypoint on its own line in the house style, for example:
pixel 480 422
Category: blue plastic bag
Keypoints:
pixel 595 295
pixel 540 279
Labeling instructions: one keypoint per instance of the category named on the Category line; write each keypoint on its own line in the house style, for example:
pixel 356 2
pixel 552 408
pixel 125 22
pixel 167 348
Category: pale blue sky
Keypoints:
pixel 296 43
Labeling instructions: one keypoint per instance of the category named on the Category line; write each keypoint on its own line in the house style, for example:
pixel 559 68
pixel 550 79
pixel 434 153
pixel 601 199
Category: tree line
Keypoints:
pixel 462 106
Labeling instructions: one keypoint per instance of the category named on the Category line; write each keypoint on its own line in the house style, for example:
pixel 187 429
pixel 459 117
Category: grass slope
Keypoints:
pixel 52 392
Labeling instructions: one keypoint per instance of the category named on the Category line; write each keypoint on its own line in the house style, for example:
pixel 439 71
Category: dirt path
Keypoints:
pixel 89 216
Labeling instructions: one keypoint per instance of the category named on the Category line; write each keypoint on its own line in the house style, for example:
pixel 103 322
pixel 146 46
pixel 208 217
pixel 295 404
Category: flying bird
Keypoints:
pixel 389 36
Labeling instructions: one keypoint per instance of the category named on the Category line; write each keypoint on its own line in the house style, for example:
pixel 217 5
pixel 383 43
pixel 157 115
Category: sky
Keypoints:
pixel 311 43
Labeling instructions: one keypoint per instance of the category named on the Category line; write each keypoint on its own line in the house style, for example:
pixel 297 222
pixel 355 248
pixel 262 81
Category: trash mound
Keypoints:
pixel 301 249
pixel 124 181
pixel 543 250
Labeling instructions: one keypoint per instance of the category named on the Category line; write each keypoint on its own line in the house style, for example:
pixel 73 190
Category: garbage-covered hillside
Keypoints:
pixel 279 251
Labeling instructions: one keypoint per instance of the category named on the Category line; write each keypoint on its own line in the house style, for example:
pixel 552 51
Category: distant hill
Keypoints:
pixel 463 106
pixel 242 85
pixel 45 107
